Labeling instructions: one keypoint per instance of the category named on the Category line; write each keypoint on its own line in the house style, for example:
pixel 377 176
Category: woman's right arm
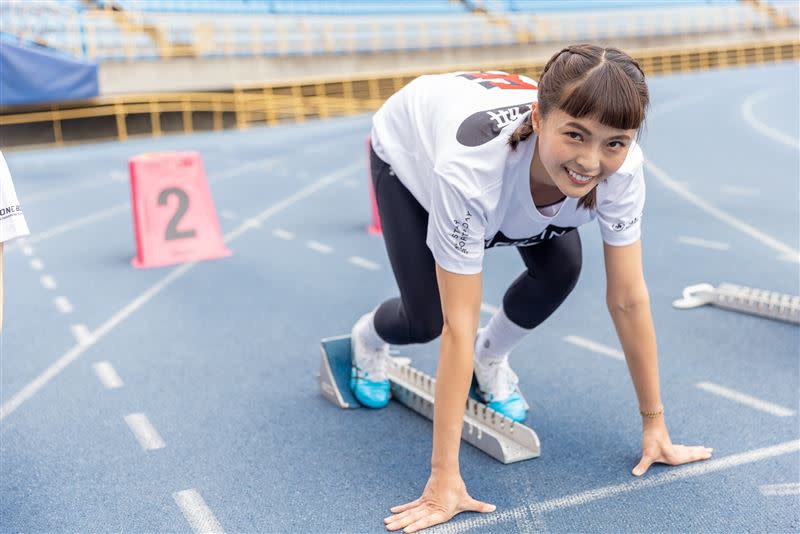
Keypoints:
pixel 446 495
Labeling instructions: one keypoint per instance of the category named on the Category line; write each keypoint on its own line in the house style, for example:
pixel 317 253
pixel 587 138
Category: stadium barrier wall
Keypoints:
pixel 125 36
pixel 123 117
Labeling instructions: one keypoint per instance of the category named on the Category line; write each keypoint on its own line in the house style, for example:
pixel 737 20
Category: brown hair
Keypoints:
pixel 590 81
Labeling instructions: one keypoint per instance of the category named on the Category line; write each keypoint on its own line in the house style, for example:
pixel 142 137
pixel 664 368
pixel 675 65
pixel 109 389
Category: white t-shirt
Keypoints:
pixel 12 222
pixel 446 138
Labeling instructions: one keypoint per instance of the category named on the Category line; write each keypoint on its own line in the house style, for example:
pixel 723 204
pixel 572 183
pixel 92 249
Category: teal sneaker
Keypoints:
pixel 496 384
pixel 369 381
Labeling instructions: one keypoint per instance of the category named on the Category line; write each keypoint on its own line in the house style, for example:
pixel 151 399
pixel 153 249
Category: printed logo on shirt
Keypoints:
pixel 483 126
pixel 10 211
pixel 460 233
pixel 500 80
pixel 624 225
pixel 551 232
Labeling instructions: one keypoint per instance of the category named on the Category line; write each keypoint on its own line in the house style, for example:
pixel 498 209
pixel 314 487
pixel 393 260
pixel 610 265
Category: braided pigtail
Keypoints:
pixel 522 132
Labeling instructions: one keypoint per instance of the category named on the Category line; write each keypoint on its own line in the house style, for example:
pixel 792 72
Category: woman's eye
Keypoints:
pixel 574 135
pixel 616 144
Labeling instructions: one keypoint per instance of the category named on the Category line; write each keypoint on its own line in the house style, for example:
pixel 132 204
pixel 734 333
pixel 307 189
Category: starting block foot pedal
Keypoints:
pixel 334 372
pixel 495 434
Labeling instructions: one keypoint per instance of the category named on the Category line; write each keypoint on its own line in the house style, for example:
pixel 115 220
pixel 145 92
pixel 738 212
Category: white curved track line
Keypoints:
pixel 129 309
pixel 762 128
pixel 730 220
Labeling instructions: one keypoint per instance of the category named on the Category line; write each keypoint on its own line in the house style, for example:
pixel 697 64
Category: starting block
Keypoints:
pixel 742 299
pixel 498 436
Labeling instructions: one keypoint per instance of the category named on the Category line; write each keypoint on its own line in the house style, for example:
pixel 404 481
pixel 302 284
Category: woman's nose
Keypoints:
pixel 588 162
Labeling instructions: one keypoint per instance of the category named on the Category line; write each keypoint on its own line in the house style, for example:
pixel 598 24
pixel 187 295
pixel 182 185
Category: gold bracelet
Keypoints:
pixel 652 415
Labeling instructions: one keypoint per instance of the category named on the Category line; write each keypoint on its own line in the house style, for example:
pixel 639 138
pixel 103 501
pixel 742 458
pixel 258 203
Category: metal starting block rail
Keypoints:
pixel 498 436
pixel 743 299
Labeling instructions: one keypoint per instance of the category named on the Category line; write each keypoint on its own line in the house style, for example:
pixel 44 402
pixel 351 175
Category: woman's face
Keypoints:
pixel 578 153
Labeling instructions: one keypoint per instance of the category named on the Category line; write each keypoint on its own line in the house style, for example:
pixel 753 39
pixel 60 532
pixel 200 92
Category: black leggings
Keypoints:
pixel 552 269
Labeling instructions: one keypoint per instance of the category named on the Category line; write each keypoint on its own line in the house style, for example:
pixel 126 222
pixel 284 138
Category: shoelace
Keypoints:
pixel 373 366
pixel 501 374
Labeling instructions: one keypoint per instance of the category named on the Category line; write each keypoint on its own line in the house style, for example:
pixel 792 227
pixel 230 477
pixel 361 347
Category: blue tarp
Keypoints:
pixel 34 75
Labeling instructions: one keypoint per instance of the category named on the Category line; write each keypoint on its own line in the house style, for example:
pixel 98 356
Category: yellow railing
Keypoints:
pixel 272 104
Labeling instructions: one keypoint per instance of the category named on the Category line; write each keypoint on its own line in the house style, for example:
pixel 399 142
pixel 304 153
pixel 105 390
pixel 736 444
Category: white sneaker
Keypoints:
pixel 496 379
pixel 371 363
pixel 498 387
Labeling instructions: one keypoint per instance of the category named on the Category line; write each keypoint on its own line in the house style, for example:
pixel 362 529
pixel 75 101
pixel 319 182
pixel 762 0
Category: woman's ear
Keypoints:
pixel 536 119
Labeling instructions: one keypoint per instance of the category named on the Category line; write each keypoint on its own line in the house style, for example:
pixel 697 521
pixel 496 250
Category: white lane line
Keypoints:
pixel 107 375
pixel 230 173
pixel 47 281
pixel 745 399
pixel 481 521
pixel 704 243
pixel 54 369
pixel 196 512
pixel 690 470
pixel 283 234
pixel 63 304
pixel 363 263
pixel 77 223
pixel 350 183
pixel 36 264
pixel 75 186
pixel 719 214
pixel 772 133
pixel 595 347
pixel 146 434
pixel 791 258
pixel 648 481
pixel 780 490
pixel 82 334
pixel 741 191
pixel 319 247
pixel 227 214
pixel 26 250
pixel 119 208
pixel 488 308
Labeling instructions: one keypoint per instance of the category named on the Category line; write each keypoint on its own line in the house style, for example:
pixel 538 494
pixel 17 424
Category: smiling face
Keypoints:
pixel 574 154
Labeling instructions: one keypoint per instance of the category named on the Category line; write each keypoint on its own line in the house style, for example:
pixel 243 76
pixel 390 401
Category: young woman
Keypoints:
pixel 467 161
pixel 12 222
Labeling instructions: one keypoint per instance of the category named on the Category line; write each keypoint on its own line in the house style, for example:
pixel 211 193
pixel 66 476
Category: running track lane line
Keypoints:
pixel 678 473
pixel 771 242
pixel 197 512
pixel 126 206
pixel 267 163
pixel 762 128
pixel 72 354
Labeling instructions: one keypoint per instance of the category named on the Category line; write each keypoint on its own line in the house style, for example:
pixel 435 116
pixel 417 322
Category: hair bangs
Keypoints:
pixel 606 94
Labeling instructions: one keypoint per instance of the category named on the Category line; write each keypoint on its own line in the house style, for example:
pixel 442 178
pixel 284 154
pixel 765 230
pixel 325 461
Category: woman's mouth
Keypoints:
pixel 578 179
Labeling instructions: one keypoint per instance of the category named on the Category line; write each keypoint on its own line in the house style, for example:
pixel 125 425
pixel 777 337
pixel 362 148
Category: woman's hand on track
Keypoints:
pixel 658 448
pixel 444 497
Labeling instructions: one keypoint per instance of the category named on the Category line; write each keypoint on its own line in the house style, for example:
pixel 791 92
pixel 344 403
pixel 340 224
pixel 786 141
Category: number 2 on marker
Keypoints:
pixel 172 232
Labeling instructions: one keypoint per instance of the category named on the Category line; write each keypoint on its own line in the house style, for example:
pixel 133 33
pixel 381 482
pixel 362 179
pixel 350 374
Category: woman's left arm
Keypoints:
pixel 629 305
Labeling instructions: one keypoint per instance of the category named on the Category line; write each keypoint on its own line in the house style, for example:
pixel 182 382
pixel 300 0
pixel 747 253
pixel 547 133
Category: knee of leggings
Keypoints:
pixel 567 273
pixel 572 271
pixel 424 332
